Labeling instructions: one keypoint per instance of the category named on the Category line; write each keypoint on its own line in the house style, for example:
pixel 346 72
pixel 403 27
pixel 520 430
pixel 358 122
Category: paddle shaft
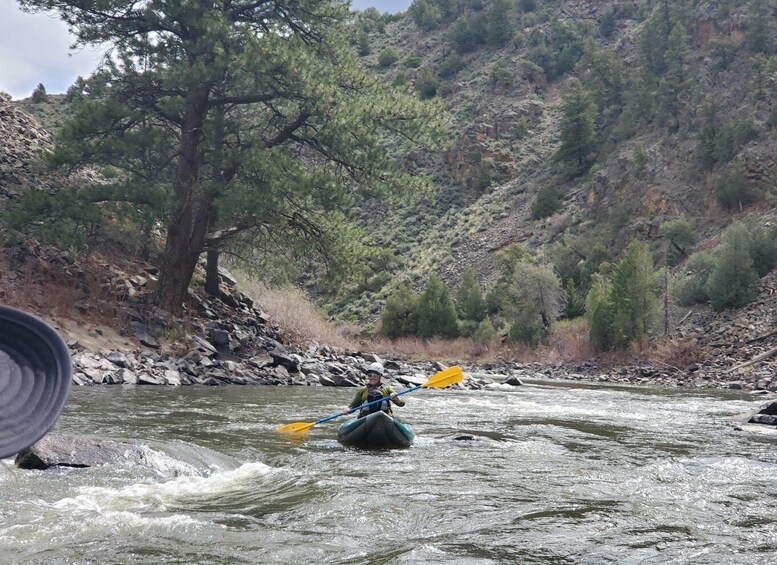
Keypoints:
pixel 378 401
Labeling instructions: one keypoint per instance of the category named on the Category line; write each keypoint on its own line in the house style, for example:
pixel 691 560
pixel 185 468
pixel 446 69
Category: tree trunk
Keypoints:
pixel 187 225
pixel 666 299
pixel 212 272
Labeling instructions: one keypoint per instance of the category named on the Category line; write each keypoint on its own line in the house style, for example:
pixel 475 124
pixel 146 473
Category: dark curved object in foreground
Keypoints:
pixel 35 375
pixel 378 431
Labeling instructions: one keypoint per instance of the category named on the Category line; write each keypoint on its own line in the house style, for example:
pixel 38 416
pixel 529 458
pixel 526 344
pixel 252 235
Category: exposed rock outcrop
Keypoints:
pixel 23 142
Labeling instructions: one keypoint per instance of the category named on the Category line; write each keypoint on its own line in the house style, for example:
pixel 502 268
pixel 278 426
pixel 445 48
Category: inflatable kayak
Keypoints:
pixel 377 430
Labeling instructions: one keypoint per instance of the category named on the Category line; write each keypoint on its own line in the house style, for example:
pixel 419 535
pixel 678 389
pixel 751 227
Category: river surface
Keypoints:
pixel 553 473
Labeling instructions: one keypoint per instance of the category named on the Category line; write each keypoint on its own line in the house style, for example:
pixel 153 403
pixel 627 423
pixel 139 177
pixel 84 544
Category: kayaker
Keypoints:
pixel 375 390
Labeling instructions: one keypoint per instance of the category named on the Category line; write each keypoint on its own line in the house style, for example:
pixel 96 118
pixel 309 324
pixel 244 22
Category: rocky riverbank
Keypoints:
pixel 229 340
pixel 236 343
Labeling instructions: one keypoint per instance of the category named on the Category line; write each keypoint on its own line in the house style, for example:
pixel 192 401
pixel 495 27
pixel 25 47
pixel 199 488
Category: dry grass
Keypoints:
pixel 567 344
pixel 291 309
pixel 56 290
pixel 444 350
pixel 676 354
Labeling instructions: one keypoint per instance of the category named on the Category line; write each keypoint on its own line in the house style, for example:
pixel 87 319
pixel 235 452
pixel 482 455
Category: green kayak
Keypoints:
pixel 377 430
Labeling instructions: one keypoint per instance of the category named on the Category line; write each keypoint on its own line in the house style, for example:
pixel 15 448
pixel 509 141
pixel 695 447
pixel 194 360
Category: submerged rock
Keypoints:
pixel 67 451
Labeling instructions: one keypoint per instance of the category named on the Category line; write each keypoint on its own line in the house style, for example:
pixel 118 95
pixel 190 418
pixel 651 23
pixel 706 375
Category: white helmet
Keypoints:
pixel 375 368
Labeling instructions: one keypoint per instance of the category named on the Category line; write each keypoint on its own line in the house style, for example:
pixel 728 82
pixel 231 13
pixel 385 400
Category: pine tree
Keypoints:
pixel 758 38
pixel 209 105
pixel 578 127
pixel 675 82
pixel 605 78
pixel 436 311
pixel 600 313
pixel 633 295
pixel 708 137
pixel 500 27
pixel 575 305
pixel 469 299
pixel 39 94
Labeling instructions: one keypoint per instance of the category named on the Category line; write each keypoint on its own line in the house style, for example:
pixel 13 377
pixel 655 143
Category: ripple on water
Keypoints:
pixel 552 475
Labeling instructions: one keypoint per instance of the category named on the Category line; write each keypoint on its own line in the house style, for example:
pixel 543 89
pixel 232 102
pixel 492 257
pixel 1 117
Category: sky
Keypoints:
pixel 34 49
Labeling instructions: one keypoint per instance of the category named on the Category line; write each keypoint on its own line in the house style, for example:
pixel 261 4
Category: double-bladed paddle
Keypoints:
pixel 442 379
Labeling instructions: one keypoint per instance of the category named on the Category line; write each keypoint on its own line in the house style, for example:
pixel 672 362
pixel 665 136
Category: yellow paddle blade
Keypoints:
pixel 448 377
pixel 296 427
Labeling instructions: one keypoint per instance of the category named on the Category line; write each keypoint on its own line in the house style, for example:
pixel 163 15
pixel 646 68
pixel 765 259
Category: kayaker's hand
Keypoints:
pixel 394 397
pixel 345 410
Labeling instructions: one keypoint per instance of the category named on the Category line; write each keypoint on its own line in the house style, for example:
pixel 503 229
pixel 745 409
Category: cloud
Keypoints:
pixel 392 6
pixel 34 48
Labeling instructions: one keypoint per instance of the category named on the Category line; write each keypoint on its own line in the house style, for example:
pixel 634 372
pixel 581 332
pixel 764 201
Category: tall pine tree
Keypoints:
pixel 578 127
pixel 215 102
pixel 436 311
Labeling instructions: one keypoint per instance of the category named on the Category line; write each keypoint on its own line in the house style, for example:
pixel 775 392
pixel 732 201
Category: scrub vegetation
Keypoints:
pixel 543 179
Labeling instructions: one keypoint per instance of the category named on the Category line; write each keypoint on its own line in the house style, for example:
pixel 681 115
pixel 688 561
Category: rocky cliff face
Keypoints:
pixel 23 142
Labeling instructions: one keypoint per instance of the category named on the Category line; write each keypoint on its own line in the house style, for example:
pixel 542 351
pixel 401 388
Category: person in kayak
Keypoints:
pixel 375 390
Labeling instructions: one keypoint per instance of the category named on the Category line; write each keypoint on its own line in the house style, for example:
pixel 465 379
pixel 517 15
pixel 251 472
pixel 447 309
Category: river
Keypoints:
pixel 552 472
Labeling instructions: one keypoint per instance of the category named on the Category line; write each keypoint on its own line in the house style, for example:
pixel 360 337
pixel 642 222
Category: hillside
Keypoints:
pixel 506 117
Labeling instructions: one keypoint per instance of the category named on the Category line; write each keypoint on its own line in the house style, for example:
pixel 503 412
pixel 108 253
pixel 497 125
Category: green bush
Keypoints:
pixel 387 57
pixel 733 191
pixel 450 65
pixel 400 79
pixel 734 281
pixel 691 289
pixel 546 203
pixel 680 236
pixel 531 71
pixel 763 248
pixel 500 76
pixel 525 329
pixel 426 85
pixel 413 62
pixel 485 332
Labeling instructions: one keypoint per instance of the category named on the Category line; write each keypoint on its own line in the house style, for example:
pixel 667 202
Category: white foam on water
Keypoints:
pixel 160 496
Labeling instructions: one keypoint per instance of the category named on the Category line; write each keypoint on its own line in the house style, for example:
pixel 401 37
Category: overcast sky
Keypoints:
pixel 34 49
